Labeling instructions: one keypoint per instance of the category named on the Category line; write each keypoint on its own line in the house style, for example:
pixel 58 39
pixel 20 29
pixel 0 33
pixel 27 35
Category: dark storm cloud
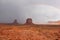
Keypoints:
pixel 16 9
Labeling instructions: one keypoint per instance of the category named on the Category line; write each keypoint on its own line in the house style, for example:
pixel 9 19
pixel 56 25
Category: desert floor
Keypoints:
pixel 29 32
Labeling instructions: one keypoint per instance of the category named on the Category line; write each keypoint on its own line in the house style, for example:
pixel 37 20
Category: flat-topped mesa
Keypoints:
pixel 29 21
pixel 54 22
pixel 15 22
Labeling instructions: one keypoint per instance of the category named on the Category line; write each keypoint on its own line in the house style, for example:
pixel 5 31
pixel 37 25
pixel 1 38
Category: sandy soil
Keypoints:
pixel 29 32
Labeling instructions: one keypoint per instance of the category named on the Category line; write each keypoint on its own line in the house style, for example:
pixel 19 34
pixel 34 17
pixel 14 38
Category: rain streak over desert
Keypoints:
pixel 29 19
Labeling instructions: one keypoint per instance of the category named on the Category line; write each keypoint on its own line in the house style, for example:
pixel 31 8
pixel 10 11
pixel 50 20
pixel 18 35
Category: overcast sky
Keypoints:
pixel 41 11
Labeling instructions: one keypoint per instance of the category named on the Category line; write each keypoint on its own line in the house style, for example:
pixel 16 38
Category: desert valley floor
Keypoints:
pixel 29 32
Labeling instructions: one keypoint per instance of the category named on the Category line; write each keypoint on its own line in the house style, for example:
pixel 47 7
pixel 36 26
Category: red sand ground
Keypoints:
pixel 29 32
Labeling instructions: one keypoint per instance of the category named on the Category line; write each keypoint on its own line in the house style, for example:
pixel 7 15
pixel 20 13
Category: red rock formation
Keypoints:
pixel 54 22
pixel 15 22
pixel 29 21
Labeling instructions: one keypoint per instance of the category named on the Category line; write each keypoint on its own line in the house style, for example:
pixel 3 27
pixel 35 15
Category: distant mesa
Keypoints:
pixel 29 21
pixel 15 22
pixel 54 22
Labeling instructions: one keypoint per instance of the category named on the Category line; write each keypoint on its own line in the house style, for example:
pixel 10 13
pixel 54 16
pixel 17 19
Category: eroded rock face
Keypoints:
pixel 28 33
pixel 15 22
pixel 29 21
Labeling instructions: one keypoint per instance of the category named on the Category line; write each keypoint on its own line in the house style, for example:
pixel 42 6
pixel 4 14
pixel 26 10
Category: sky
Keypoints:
pixel 41 11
